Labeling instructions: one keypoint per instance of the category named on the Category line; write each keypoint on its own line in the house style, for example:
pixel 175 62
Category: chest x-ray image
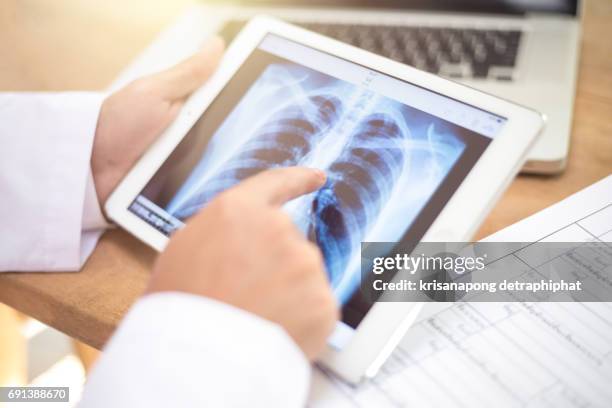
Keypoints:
pixel 383 160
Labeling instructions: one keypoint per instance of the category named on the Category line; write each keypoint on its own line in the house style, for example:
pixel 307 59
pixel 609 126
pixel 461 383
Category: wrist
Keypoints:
pixel 103 177
pixel 108 153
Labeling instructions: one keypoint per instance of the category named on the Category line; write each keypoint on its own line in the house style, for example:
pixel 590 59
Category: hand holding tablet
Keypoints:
pixel 408 156
pixel 131 118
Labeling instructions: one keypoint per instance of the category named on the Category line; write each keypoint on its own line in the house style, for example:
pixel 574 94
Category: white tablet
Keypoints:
pixel 407 154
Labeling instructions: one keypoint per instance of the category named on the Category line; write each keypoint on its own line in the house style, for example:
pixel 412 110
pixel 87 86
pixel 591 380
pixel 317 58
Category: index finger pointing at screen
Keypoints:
pixel 277 186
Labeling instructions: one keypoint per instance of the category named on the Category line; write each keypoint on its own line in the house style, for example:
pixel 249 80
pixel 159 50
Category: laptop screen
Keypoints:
pixel 481 6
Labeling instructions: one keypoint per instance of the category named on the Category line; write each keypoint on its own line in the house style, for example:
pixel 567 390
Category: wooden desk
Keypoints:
pixel 76 45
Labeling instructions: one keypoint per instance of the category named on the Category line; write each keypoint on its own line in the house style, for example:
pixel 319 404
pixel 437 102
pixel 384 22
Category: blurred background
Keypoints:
pixel 95 37
pixel 91 41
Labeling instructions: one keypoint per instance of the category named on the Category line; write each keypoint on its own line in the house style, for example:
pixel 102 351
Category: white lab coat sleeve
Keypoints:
pixel 180 350
pixel 50 215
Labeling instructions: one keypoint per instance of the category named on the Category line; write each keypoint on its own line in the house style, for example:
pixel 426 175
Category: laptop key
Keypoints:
pixel 480 70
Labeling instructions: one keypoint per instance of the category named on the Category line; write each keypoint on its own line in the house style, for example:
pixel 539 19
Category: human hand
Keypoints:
pixel 133 117
pixel 244 250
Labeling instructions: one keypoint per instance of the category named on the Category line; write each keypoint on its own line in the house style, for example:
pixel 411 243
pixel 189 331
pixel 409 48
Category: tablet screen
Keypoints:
pixel 394 153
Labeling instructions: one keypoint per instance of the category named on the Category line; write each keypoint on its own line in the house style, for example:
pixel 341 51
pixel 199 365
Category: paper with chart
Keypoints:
pixel 503 354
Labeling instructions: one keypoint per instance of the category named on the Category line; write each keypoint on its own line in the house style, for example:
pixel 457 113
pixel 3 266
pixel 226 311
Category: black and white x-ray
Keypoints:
pixel 383 160
pixel 394 154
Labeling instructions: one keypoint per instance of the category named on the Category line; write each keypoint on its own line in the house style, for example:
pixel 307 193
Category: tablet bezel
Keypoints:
pixel 385 323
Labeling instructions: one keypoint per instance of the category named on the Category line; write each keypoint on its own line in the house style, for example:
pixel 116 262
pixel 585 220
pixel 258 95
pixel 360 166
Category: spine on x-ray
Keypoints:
pixel 359 183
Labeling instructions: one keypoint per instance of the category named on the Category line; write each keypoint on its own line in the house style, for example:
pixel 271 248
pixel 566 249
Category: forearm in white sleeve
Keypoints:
pixel 180 350
pixel 50 216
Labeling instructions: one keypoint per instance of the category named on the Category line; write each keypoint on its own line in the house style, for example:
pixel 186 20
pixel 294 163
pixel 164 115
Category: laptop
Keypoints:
pixel 522 50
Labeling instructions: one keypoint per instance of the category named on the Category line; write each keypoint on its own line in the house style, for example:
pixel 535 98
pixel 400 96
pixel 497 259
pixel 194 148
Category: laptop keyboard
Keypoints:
pixel 452 52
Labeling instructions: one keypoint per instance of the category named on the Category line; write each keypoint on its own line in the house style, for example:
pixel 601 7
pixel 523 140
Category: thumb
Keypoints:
pixel 182 79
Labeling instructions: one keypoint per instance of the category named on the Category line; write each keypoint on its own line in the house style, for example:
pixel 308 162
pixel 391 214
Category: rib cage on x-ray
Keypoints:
pixel 369 146
pixel 282 141
pixel 359 183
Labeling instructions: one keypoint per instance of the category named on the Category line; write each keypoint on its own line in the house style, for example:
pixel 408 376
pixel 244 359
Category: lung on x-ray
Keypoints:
pixel 383 159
